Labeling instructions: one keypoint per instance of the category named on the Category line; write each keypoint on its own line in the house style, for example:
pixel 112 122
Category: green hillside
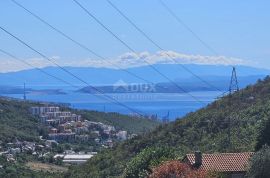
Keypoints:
pixel 206 130
pixel 119 121
pixel 17 122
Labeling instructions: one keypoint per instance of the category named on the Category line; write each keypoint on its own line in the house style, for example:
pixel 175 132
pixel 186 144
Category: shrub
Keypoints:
pixel 260 164
pixel 141 166
pixel 176 169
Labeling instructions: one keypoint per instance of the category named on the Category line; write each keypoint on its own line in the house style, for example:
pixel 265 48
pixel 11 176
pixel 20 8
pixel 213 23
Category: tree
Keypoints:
pixel 141 165
pixel 260 164
pixel 264 135
pixel 176 169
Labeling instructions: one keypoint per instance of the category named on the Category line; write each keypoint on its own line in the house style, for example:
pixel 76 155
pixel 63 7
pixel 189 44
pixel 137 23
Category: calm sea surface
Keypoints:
pixel 177 105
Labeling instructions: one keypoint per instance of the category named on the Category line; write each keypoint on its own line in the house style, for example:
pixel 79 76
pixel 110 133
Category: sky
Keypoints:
pixel 237 30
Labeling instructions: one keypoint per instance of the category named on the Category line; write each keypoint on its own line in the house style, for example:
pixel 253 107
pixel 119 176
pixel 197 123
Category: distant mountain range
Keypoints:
pixel 190 85
pixel 19 90
pixel 218 75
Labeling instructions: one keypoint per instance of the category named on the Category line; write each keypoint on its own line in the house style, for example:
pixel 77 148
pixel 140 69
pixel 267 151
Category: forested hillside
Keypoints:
pixel 206 130
pixel 17 122
pixel 119 121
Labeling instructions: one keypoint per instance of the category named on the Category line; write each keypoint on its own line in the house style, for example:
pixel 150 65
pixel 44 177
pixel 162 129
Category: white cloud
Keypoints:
pixel 11 65
pixel 171 57
pixel 126 60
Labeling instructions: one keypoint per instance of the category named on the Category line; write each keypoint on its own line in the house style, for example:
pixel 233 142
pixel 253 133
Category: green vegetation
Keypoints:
pixel 141 165
pixel 175 168
pixel 119 121
pixel 37 166
pixel 19 170
pixel 260 164
pixel 17 122
pixel 264 135
pixel 206 130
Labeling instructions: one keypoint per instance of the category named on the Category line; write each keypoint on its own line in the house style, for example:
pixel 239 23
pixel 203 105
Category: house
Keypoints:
pixel 15 150
pixel 82 138
pixel 62 136
pixel 233 165
pixel 42 110
pixel 53 130
pixel 50 143
pixel 109 143
pixel 122 135
pixel 10 158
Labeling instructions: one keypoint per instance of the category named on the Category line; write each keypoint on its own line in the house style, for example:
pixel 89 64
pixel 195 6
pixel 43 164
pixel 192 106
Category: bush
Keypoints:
pixel 176 169
pixel 264 135
pixel 260 164
pixel 142 164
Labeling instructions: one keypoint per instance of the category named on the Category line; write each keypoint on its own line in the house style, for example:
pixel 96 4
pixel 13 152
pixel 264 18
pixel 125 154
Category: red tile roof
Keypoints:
pixel 223 162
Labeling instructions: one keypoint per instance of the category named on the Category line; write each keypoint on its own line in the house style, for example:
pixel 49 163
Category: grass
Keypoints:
pixel 36 166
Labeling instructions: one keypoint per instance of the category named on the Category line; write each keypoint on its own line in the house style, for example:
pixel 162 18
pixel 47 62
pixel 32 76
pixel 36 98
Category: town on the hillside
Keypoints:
pixel 65 127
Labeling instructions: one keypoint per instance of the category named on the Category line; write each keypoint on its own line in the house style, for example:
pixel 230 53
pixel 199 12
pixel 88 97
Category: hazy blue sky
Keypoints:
pixel 234 28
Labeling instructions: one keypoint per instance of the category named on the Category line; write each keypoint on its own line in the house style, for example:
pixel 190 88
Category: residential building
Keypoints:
pixel 62 137
pixel 122 135
pixel 41 110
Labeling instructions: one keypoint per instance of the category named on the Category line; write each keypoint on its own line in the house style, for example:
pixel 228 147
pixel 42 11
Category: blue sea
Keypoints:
pixel 173 105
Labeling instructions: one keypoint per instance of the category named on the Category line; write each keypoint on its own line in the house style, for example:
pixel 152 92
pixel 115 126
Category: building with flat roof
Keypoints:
pixel 62 136
pixel 74 158
pixel 41 110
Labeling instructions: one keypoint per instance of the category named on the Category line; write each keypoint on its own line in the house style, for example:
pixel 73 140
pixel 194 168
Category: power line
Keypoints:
pixel 195 35
pixel 181 22
pixel 70 73
pixel 157 45
pixel 32 66
pixel 43 71
pixel 42 55
pixel 132 50
pixel 76 42
pixel 24 93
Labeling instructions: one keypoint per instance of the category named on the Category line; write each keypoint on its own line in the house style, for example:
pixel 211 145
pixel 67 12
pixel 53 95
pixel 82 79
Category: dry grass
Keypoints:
pixel 36 166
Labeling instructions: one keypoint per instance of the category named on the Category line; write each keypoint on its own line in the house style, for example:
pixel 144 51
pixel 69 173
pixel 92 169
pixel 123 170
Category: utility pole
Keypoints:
pixel 234 87
pixel 234 82
pixel 166 119
pixel 229 134
pixel 24 93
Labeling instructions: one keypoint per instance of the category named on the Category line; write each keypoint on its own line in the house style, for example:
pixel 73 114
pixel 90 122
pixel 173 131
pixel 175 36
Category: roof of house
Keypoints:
pixel 223 162
pixel 78 156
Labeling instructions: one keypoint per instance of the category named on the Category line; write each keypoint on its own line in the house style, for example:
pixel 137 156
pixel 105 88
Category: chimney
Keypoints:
pixel 198 159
